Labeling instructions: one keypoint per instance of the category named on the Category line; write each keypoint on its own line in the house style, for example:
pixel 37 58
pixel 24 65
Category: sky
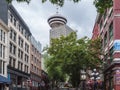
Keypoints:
pixel 80 16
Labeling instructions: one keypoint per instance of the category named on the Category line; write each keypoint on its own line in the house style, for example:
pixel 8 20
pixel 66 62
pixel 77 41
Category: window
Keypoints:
pixel 26 58
pixel 20 42
pixel 0 50
pixel 105 39
pixel 3 52
pixel 18 53
pixel 13 35
pixel 4 37
pixel 11 17
pixel 21 54
pixel 10 61
pixel 12 48
pixel 14 62
pixel 3 67
pixel 22 30
pixel 26 47
pixel 1 34
pixel 20 66
pixel 111 54
pixel 111 31
pixel 14 21
pixel 0 66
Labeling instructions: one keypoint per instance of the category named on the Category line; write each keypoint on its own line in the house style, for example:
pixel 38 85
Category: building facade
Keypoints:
pixel 18 47
pixel 19 50
pixel 58 26
pixel 35 62
pixel 20 53
pixel 3 55
pixel 107 26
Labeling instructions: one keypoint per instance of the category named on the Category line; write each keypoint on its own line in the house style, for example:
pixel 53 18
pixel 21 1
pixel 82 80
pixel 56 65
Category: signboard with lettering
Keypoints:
pixel 116 45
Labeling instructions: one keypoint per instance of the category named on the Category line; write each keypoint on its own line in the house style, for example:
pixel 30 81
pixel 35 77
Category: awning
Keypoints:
pixel 4 80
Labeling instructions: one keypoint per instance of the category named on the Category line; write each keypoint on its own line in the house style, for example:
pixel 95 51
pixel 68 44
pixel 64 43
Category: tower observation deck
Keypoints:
pixel 56 20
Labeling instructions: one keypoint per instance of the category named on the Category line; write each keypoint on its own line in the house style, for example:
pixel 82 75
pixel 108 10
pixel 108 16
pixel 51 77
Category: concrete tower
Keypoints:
pixel 58 26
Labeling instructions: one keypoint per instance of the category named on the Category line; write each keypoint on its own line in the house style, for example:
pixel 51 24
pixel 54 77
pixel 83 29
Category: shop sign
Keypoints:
pixel 117 79
pixel 116 45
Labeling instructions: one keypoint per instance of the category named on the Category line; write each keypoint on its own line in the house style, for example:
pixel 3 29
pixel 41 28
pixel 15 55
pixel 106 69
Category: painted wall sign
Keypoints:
pixel 116 45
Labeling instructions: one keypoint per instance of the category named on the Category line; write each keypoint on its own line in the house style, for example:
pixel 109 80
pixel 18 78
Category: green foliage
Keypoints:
pixel 59 2
pixel 101 5
pixel 53 68
pixel 69 55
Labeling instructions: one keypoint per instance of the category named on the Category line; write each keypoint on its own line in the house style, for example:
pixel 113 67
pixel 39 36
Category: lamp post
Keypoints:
pixel 95 76
pixel 83 79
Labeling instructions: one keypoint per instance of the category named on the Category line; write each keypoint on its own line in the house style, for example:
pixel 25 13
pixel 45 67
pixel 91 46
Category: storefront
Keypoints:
pixel 19 79
pixel 112 77
pixel 4 83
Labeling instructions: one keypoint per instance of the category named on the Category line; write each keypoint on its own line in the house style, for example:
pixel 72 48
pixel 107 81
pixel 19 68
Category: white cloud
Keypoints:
pixel 80 16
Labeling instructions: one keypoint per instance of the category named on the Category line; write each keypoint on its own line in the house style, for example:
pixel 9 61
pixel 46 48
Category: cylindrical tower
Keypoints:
pixel 57 20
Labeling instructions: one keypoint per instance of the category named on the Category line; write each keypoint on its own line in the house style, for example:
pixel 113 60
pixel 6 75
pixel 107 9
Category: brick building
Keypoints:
pixel 107 26
pixel 35 64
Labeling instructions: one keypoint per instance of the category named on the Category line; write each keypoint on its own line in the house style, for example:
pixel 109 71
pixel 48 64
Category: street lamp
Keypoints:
pixel 83 79
pixel 95 76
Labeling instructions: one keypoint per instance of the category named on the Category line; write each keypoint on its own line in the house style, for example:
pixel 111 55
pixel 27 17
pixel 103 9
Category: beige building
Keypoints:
pixel 15 48
pixel 19 50
pixel 3 55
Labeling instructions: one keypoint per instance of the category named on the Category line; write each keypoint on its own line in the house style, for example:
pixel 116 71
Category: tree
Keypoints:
pixel 101 5
pixel 71 55
pixel 53 69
